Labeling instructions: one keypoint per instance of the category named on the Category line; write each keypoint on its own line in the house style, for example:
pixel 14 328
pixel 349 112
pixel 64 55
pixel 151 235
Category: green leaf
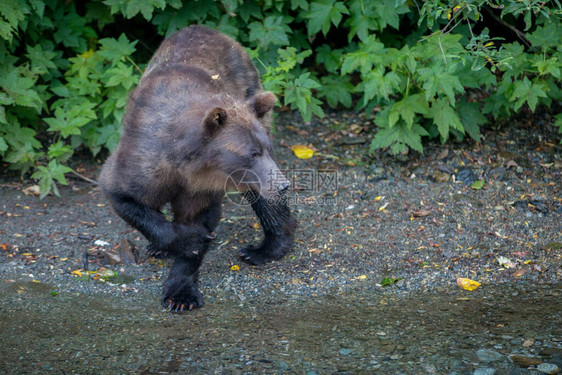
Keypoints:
pixel 60 151
pixel 273 30
pixel 336 90
pixel 398 137
pixel 445 117
pixel 322 14
pixel 477 185
pixel 41 60
pixel 329 57
pixel 527 91
pixel 49 175
pixel 115 49
pixel 121 75
pixel 298 94
pixel 12 13
pixel 380 85
pixel 388 281
pixel 548 36
pixel 407 108
pixel 471 118
pixel 388 12
pixel 437 81
pixel 20 88
pixel 3 145
pixel 369 54
pixel 68 121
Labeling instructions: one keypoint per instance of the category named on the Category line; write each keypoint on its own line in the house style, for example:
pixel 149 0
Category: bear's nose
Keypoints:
pixel 283 187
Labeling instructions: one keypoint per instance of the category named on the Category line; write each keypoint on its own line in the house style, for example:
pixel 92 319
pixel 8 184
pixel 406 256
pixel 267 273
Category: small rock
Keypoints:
pixel 488 355
pixel 126 252
pixel 497 173
pixel 528 342
pixel 345 351
pixel 466 176
pixel 484 371
pixel 548 368
pixel 525 360
pixel 441 176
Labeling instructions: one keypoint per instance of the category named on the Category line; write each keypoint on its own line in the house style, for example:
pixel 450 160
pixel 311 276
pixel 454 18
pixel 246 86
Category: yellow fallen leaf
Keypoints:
pixel 362 277
pixel 467 284
pixel 76 272
pixel 235 268
pixel 302 151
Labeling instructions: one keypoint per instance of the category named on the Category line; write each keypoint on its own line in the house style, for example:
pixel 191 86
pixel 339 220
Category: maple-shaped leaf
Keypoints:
pixel 380 84
pixel 407 108
pixel 437 81
pixel 115 49
pixel 322 14
pixel 273 30
pixel 49 175
pixel 445 117
pixel 527 91
pixel 398 137
pixel 471 118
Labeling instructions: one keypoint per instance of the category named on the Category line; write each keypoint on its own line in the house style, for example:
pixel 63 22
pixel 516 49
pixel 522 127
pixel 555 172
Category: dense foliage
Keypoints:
pixel 424 68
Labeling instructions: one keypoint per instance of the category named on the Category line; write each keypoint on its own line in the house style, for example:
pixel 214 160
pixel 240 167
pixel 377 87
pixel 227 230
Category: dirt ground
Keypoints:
pixel 79 295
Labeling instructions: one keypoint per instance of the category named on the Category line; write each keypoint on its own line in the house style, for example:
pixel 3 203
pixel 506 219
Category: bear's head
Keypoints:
pixel 238 148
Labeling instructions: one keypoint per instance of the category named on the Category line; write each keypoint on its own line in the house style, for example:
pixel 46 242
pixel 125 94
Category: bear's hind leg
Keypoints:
pixel 279 227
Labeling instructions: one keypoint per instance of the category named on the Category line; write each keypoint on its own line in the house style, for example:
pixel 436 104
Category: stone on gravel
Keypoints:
pixel 487 355
pixel 525 360
pixel 484 371
pixel 548 368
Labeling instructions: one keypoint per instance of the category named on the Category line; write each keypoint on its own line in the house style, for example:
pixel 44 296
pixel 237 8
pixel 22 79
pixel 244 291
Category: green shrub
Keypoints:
pixel 425 69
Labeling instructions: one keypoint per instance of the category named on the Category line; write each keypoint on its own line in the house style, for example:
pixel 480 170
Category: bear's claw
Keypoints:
pixel 257 255
pixel 154 252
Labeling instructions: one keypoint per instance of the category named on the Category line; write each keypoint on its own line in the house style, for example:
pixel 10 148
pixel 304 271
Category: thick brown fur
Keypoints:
pixel 198 117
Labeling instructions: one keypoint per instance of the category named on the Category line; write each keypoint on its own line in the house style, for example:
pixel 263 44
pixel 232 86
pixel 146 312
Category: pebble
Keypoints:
pixel 548 368
pixel 484 371
pixel 525 360
pixel 488 355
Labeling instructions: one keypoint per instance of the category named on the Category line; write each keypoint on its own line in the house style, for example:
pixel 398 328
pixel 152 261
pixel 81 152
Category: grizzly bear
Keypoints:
pixel 195 126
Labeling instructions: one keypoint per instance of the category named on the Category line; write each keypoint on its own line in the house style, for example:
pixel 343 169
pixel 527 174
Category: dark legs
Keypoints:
pixel 278 227
pixel 181 291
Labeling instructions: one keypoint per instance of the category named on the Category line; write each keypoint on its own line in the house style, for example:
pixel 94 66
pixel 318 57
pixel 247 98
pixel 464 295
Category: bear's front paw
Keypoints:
pixel 181 295
pixel 257 255
pixel 155 252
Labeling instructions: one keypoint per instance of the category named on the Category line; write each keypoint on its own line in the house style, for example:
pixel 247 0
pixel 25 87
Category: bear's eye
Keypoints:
pixel 254 155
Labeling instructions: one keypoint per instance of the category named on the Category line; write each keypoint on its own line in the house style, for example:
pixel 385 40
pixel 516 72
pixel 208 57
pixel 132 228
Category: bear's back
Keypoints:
pixel 222 58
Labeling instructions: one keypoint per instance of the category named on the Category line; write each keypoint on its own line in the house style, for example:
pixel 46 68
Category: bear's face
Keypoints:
pixel 241 151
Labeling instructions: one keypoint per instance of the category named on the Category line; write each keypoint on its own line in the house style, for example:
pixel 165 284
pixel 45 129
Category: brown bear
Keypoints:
pixel 197 125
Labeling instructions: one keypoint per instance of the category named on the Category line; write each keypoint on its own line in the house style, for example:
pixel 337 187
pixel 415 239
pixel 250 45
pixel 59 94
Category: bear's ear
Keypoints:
pixel 215 120
pixel 263 103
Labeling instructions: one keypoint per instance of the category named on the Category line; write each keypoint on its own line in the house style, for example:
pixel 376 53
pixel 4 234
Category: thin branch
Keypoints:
pixel 521 35
pixel 84 178
pixel 442 51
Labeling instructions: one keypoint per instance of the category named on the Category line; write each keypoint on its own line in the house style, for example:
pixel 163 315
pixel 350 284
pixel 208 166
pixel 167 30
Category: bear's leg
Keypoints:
pixel 170 238
pixel 210 217
pixel 278 227
pixel 181 291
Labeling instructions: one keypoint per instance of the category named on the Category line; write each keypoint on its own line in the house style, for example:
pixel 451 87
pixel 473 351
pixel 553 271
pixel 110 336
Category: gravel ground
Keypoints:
pixel 75 301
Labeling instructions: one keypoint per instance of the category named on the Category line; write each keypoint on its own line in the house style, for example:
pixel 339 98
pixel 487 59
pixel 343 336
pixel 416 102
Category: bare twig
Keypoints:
pixel 84 178
pixel 521 35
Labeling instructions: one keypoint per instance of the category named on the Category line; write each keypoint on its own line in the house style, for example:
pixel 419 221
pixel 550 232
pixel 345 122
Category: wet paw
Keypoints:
pixel 257 255
pixel 155 252
pixel 179 297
